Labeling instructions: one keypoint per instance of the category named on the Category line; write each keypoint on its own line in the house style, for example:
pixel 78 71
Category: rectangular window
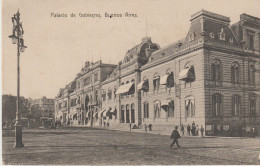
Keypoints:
pixel 252 107
pixel 109 95
pixel 78 85
pixel 104 96
pixel 146 110
pixel 60 105
pixel 236 105
pixel 95 77
pixel 96 95
pixel 87 81
pixel 251 42
pixel 73 102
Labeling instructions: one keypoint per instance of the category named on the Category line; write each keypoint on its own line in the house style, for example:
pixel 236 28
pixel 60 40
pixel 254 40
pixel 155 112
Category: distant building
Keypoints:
pixel 77 103
pixel 43 107
pixel 210 77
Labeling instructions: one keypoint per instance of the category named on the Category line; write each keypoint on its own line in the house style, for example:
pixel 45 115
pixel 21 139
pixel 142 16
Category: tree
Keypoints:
pixel 9 108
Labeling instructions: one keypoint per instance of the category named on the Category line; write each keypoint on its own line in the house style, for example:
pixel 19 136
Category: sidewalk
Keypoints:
pixel 165 132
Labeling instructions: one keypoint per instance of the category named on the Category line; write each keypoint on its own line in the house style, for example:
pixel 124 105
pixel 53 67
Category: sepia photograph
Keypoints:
pixel 137 82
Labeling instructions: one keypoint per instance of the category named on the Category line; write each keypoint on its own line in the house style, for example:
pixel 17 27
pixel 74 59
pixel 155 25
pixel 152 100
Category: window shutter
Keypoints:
pixel 232 107
pixel 147 108
pixel 213 73
pixel 213 105
pixel 232 75
pixel 221 105
pixel 154 84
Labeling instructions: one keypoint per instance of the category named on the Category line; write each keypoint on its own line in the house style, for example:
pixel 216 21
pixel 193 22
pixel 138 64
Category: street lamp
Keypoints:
pixel 17 38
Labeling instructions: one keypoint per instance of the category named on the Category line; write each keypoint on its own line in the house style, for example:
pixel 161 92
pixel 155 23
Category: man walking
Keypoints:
pixel 175 136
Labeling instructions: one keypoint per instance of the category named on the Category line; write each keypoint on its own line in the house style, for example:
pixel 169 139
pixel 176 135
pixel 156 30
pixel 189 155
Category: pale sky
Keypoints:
pixel 58 47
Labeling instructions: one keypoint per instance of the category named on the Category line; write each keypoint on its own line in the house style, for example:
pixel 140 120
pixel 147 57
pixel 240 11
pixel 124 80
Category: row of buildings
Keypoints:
pixel 210 77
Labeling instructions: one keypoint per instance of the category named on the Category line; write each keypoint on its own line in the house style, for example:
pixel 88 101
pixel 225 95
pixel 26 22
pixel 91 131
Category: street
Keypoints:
pixel 87 146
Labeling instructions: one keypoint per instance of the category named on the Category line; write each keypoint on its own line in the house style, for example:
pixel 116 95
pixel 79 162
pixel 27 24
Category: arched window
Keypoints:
pixel 157 109
pixel 190 106
pixel 235 78
pixel 252 105
pixel 122 114
pixel 216 71
pixel 146 110
pixel 236 105
pixel 252 74
pixel 156 82
pixel 217 105
pixel 132 113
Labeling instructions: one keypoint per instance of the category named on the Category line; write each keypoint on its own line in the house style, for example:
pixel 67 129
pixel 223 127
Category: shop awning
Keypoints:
pixel 124 88
pixel 165 103
pixel 163 80
pixel 168 80
pixel 88 114
pixel 95 114
pixel 105 113
pixel 187 73
pixel 143 85
pixel 113 111
pixel 100 112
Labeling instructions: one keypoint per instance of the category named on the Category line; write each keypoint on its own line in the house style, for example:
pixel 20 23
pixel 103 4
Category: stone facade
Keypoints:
pixel 211 78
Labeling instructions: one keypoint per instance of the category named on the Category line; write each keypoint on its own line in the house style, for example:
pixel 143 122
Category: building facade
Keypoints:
pixel 42 107
pixel 211 78
pixel 81 99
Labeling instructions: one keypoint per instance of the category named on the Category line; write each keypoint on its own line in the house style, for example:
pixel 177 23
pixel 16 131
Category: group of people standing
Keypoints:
pixel 193 130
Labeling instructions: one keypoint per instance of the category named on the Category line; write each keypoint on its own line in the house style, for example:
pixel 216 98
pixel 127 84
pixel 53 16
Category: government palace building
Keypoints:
pixel 211 77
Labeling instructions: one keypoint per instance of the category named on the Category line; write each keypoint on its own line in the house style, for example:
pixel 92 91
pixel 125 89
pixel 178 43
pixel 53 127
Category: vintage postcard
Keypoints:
pixel 172 82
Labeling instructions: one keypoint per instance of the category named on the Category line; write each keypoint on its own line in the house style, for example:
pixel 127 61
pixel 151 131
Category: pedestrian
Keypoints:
pixel 197 130
pixel 145 128
pixel 193 123
pixel 55 125
pixel 201 130
pixel 150 127
pixel 175 136
pixel 193 129
pixel 107 125
pixel 182 130
pixel 188 129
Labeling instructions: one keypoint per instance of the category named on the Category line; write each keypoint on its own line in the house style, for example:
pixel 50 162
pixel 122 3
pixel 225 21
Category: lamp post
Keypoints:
pixel 17 38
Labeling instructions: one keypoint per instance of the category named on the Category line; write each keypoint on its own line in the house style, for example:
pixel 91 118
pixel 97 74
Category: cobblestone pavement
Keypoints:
pixel 96 146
